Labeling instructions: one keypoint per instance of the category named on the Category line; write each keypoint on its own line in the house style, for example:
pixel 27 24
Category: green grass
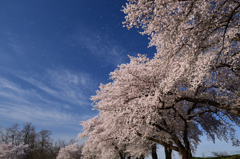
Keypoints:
pixel 223 157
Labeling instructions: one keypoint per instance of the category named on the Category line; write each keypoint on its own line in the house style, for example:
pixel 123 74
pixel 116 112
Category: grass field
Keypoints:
pixel 223 157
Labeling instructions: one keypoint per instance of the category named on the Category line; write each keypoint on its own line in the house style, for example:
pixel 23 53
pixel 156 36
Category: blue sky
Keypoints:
pixel 53 56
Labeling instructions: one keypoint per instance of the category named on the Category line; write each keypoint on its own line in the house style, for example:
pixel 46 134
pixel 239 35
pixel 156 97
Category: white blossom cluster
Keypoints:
pixel 196 31
pixel 12 152
pixel 70 152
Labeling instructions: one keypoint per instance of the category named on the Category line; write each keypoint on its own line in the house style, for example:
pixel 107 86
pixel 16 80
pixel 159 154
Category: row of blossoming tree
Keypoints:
pixel 191 87
pixel 26 143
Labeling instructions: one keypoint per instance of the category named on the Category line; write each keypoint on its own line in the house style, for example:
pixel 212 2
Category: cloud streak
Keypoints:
pixel 46 102
pixel 64 85
pixel 98 45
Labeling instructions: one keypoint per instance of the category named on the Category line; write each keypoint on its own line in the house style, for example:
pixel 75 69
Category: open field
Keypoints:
pixel 223 157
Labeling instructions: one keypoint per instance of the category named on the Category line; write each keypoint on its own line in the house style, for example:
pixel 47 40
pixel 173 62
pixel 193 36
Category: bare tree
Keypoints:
pixel 13 134
pixel 44 143
pixel 29 137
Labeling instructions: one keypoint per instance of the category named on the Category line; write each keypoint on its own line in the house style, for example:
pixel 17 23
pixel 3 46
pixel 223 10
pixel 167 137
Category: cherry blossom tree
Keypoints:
pixel 138 105
pixel 12 152
pixel 72 151
pixel 191 86
pixel 193 38
pixel 104 140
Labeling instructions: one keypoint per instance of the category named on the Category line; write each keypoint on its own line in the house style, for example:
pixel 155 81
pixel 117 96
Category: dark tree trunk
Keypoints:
pixel 121 155
pixel 141 157
pixel 154 152
pixel 186 155
pixel 168 152
pixel 187 152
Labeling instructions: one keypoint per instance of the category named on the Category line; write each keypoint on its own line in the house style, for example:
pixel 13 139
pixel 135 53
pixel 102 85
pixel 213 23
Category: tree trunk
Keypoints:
pixel 121 155
pixel 154 152
pixel 168 152
pixel 186 154
pixel 141 157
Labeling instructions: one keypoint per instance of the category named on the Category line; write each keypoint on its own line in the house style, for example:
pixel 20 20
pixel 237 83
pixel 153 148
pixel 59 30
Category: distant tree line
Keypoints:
pixel 40 145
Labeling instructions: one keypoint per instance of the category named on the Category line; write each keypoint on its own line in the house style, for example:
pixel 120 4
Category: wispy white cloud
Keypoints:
pixel 98 45
pixel 40 115
pixel 12 48
pixel 64 85
pixel 13 42
pixel 35 113
pixel 51 101
pixel 12 92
